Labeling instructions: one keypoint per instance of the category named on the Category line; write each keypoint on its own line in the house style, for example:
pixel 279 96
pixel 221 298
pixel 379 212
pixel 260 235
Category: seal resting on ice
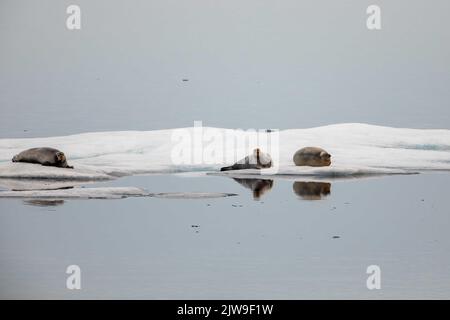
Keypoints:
pixel 45 156
pixel 312 156
pixel 257 160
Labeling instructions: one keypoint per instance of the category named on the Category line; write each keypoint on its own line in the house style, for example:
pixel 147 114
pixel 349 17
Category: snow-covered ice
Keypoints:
pixel 356 149
pixel 107 193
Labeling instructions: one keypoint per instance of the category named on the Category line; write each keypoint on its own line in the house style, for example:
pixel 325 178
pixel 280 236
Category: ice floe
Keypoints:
pixel 78 193
pixel 356 149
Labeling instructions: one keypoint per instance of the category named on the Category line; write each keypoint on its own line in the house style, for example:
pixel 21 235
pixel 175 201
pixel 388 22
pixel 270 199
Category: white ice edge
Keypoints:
pixel 23 184
pixel 107 193
pixel 78 193
pixel 330 172
pixel 36 171
pixel 357 150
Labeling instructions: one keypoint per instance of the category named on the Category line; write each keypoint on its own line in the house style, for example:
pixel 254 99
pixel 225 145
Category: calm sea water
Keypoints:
pixel 297 240
pixel 253 64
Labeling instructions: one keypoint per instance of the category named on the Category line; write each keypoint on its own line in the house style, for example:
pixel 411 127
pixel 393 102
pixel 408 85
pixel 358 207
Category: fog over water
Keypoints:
pixel 252 64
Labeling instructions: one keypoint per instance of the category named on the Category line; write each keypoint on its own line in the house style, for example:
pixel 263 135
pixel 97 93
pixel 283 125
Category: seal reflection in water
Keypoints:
pixel 45 156
pixel 311 190
pixel 258 186
pixel 257 160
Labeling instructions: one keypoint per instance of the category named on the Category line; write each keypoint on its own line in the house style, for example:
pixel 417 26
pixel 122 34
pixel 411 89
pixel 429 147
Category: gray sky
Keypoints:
pixel 250 64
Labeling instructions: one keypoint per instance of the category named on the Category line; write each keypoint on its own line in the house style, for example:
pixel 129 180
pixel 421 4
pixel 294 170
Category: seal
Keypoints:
pixel 257 160
pixel 311 190
pixel 45 156
pixel 313 157
pixel 257 186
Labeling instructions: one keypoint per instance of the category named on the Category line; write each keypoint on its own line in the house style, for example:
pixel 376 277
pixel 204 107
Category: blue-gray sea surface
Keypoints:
pixel 296 241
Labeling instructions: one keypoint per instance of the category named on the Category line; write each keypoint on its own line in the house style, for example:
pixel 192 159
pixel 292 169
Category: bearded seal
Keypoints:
pixel 257 160
pixel 312 156
pixel 44 156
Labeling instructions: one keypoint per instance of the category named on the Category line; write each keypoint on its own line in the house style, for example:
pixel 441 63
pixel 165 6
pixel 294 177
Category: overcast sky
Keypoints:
pixel 250 64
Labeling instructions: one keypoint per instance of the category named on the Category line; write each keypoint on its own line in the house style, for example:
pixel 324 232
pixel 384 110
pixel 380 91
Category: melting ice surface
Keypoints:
pixel 107 193
pixel 356 149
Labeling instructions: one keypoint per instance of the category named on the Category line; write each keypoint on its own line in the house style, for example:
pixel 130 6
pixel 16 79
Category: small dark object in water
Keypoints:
pixel 336 237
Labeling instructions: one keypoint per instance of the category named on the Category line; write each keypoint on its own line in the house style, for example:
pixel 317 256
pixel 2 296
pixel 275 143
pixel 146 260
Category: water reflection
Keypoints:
pixel 43 203
pixel 258 186
pixel 311 190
